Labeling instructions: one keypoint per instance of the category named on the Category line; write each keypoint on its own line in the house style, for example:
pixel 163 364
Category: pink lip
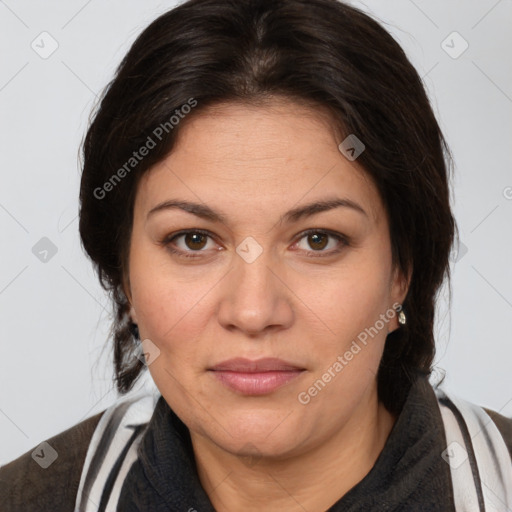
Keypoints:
pixel 255 377
pixel 266 364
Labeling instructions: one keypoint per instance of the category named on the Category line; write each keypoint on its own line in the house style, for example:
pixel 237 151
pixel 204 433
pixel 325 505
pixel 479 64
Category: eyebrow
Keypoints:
pixel 207 213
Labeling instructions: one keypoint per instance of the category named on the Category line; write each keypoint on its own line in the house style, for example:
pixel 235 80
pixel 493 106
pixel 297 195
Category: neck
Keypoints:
pixel 312 480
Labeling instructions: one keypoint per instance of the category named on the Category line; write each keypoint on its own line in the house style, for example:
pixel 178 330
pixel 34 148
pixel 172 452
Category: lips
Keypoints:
pixel 267 364
pixel 259 377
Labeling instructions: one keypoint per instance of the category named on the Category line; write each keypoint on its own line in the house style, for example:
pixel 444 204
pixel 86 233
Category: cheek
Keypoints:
pixel 350 305
pixel 173 319
pixel 167 312
pixel 353 297
pixel 165 302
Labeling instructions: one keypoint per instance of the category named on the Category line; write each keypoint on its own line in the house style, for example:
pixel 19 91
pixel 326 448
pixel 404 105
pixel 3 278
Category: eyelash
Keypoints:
pixel 168 239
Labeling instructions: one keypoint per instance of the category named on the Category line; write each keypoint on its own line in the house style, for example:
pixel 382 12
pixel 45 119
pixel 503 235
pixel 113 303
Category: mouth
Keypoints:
pixel 259 377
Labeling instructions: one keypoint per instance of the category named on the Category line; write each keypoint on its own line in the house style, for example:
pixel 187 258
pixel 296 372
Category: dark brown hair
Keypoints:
pixel 312 51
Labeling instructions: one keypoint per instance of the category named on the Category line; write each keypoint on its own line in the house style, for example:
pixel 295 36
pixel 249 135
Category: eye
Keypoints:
pixel 315 242
pixel 185 243
pixel 320 241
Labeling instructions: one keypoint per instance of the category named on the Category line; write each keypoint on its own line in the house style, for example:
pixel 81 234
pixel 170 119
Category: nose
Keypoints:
pixel 255 299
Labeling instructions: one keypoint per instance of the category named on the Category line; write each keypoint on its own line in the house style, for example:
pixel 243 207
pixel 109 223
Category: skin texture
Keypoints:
pixel 253 164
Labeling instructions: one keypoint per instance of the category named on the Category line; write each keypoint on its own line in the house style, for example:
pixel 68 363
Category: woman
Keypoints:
pixel 265 195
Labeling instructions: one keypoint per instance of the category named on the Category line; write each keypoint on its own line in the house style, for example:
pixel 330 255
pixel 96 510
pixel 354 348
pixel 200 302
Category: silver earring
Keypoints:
pixel 402 319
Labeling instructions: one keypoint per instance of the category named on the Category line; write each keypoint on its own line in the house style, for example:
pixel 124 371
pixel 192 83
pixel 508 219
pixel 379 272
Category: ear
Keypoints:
pixel 128 293
pixel 400 285
pixel 399 289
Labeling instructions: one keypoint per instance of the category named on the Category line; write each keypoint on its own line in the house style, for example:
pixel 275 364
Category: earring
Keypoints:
pixel 402 319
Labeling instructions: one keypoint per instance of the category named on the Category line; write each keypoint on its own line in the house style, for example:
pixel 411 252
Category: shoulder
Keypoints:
pixel 504 425
pixel 483 419
pixel 478 451
pixel 477 420
pixel 47 477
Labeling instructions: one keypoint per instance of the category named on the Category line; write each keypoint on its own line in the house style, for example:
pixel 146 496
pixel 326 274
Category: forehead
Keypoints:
pixel 278 128
pixel 276 153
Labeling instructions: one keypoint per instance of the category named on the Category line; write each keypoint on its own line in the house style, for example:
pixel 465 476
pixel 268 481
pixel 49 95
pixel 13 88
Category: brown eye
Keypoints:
pixel 318 241
pixel 189 244
pixel 195 241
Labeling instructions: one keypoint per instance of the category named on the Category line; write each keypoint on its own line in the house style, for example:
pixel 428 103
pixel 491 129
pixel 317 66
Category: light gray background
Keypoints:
pixel 54 317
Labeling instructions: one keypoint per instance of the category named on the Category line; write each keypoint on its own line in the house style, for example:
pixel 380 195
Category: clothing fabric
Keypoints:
pixel 479 459
pixel 443 454
pixel 26 486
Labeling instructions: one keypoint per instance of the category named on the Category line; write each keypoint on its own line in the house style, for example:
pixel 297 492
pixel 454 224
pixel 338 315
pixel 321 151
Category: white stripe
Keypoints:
pixel 139 412
pixel 131 457
pixel 465 494
pixel 93 444
pixel 495 469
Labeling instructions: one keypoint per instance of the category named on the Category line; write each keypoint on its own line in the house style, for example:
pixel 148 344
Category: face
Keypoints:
pixel 272 245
